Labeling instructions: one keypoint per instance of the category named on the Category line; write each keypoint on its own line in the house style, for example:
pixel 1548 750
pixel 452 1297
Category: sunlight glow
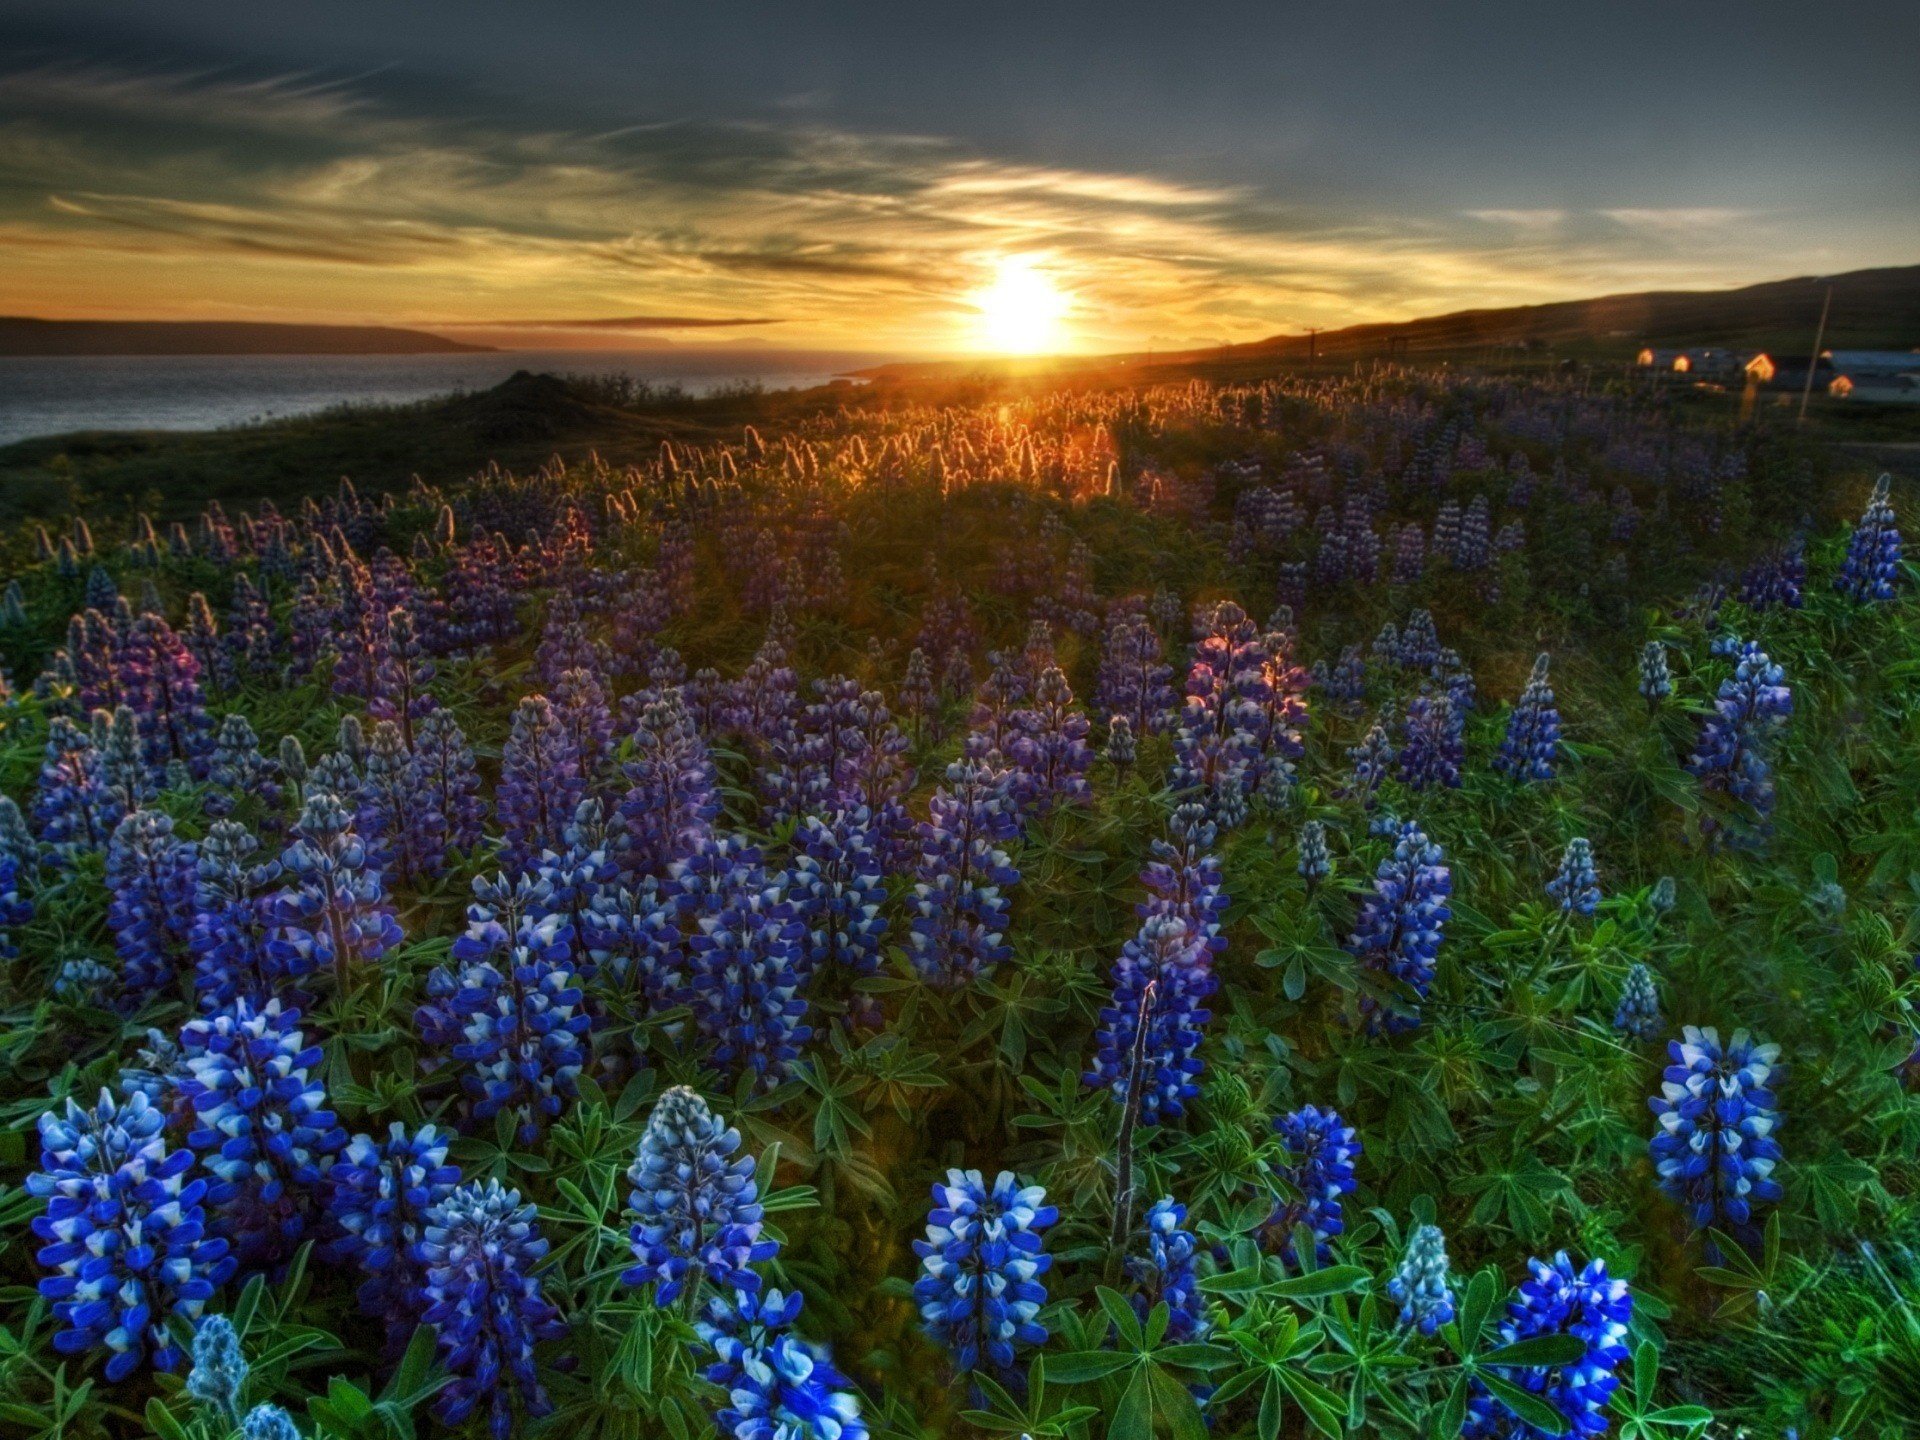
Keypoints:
pixel 1021 312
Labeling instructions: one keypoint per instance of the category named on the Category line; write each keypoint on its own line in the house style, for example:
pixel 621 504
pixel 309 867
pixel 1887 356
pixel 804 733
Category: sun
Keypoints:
pixel 1020 312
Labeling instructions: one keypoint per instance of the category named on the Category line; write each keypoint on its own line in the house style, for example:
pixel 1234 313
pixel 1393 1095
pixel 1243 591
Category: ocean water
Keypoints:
pixel 203 392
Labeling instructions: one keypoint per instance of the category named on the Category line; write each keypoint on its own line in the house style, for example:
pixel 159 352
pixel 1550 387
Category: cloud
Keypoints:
pixel 612 322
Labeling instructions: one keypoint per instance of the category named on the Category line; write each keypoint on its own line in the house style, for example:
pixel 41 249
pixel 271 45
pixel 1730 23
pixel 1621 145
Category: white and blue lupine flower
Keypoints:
pixel 980 1290
pixel 1733 753
pixel 839 884
pixel 1872 566
pixel 484 1296
pixel 125 1233
pixel 1401 922
pixel 748 961
pixel 335 912
pixel 698 1211
pixel 1557 1300
pixel 1316 862
pixel 219 1375
pixel 268 1422
pixel 1433 742
pixel 1420 1284
pixel 1638 1014
pixel 1167 956
pixel 379 1195
pixel 778 1386
pixel 1319 1151
pixel 1577 885
pixel 959 908
pixel 1715 1151
pixel 1165 1273
pixel 1532 743
pixel 1656 678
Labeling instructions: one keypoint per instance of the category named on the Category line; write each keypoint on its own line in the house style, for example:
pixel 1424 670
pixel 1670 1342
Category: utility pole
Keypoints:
pixel 1813 360
pixel 1313 344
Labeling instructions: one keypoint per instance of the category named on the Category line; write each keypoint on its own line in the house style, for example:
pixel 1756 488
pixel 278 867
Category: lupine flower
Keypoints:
pixel 1733 754
pixel 219 1375
pixel 335 912
pixel 1656 680
pixel 697 1210
pixel 482 1254
pixel 1122 748
pixel 510 1011
pixel 267 1421
pixel 75 809
pixel 1577 884
pixel 262 1127
pixel 839 885
pixel 123 758
pixel 1372 758
pixel 1184 879
pixel 1433 744
pixel 1165 1274
pixel 399 690
pixel 748 957
pixel 541 783
pixel 1872 566
pixel 150 877
pixel 396 810
pixel 444 764
pixel 1316 863
pixel 1318 1151
pixel 672 797
pixel 15 909
pixel 960 914
pixel 379 1194
pixel 919 701
pixel 1420 1284
pixel 1714 1151
pixel 1049 748
pixel 1532 742
pixel 236 769
pixel 16 840
pixel 1177 964
pixel 778 1387
pixel 1557 1300
pixel 979 1289
pixel 1638 1014
pixel 1133 681
pixel 1401 921
pixel 125 1233
pixel 233 919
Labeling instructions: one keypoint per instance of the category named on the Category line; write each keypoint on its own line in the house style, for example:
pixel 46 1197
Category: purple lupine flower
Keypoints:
pixel 125 1233
pixel 444 765
pixel 672 797
pixel 1557 1300
pixel 1577 884
pixel 1777 578
pixel 541 783
pixel 839 884
pixel 483 1255
pixel 1176 963
pixel 919 701
pixel 980 1290
pixel 334 913
pixel 379 1194
pixel 697 1209
pixel 960 914
pixel 1318 1151
pixel 400 679
pixel 1420 1284
pixel 262 1128
pixel 1165 1274
pixel 1872 567
pixel 1400 926
pixel 1049 750
pixel 778 1387
pixel 581 703
pixel 1133 680
pixel 233 920
pixel 150 875
pixel 748 959
pixel 250 635
pixel 1183 879
pixel 406 835
pixel 1714 1152
pixel 1433 744
pixel 1735 743
pixel 358 634
pixel 1532 742
pixel 202 639
pixel 74 809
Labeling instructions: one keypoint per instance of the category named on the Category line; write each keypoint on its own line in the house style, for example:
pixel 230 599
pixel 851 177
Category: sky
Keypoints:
pixel 931 178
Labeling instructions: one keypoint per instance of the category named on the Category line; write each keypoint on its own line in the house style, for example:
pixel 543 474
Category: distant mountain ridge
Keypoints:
pixel 25 336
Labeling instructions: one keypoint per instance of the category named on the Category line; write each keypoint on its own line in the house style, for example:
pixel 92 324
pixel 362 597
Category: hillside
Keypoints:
pixel 23 335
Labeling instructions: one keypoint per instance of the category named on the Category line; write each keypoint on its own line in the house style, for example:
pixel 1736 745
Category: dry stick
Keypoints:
pixel 1129 1117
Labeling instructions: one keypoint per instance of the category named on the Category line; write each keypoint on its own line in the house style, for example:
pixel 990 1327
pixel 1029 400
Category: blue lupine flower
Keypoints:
pixel 219 1374
pixel 1714 1151
pixel 1165 1273
pixel 1049 749
pixel 778 1387
pixel 542 780
pixel 1656 679
pixel 1401 921
pixel 267 1421
pixel 1577 884
pixel 236 769
pixel 698 1210
pixel 979 1289
pixel 1372 758
pixel 1183 879
pixel 1872 566
pixel 1420 1284
pixel 839 883
pixel 233 920
pixel 396 815
pixel 379 1193
pixel 335 911
pixel 1532 742
pixel 1558 1301
pixel 15 909
pixel 960 914
pixel 1316 863
pixel 1133 680
pixel 484 1296
pixel 1178 965
pixel 1735 742
pixel 444 763
pixel 150 876
pixel 1317 1160
pixel 1433 743
pixel 262 1128
pixel 1638 1014
pixel 75 808
pixel 672 799
pixel 125 1233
